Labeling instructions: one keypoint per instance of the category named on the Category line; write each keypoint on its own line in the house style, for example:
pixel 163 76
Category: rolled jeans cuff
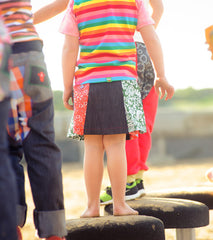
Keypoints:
pixel 50 223
pixel 21 212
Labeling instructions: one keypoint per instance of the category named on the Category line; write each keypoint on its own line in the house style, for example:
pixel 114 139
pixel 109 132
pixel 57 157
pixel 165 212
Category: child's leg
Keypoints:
pixel 7 182
pixel 36 129
pixel 93 172
pixel 150 104
pixel 133 157
pixel 117 169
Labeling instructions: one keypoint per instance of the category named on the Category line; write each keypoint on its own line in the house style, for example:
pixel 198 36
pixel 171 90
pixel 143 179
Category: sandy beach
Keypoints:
pixel 184 173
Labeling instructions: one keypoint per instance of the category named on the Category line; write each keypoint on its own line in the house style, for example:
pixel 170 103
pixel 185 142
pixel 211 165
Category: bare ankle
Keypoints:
pixel 122 210
pixel 90 212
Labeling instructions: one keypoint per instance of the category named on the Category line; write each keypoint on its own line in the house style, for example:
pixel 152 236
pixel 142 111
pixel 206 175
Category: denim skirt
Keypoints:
pixel 107 108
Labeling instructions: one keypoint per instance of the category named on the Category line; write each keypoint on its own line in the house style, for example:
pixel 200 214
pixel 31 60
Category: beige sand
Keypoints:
pixel 180 174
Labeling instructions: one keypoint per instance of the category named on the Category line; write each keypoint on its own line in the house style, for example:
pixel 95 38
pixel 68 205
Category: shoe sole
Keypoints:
pixel 132 197
pixel 127 198
pixel 141 193
pixel 106 203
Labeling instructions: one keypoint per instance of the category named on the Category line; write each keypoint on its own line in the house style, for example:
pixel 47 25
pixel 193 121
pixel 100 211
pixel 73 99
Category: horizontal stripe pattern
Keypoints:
pixel 17 16
pixel 107 48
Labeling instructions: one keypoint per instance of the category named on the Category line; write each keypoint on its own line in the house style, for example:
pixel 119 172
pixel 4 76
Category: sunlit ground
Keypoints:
pixel 175 175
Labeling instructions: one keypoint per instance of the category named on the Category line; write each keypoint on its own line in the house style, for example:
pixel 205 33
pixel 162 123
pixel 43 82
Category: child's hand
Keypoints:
pixel 161 85
pixel 68 99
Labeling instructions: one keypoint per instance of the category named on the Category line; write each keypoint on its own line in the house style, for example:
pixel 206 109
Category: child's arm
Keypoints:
pixel 49 11
pixel 157 7
pixel 69 59
pixel 153 46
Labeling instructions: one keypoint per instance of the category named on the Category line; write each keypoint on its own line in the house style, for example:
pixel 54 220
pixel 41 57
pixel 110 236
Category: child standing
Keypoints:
pixel 7 178
pixel 30 124
pixel 137 150
pixel 107 101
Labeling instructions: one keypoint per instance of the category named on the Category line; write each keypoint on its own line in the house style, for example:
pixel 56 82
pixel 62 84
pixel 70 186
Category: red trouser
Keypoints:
pixel 137 150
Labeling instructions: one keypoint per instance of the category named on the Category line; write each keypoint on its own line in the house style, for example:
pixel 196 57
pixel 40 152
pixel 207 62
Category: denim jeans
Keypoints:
pixel 7 182
pixel 7 176
pixel 31 134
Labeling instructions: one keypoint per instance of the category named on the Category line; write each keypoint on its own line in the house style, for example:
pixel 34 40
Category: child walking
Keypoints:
pixel 30 125
pixel 7 178
pixel 107 102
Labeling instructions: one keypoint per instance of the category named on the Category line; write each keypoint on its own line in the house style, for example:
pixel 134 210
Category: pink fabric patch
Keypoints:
pixel 81 93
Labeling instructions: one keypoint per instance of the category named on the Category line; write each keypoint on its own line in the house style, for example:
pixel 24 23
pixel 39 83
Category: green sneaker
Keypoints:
pixel 131 191
pixel 130 194
pixel 140 186
pixel 106 196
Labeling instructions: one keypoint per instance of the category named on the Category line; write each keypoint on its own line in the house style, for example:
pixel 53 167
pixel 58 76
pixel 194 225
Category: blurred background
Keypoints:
pixel 182 140
pixel 183 129
pixel 184 125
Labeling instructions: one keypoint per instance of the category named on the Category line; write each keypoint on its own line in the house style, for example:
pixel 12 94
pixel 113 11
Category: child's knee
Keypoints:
pixel 93 141
pixel 114 140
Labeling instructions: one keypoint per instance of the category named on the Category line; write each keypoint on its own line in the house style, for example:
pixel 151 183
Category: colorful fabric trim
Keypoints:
pixel 107 49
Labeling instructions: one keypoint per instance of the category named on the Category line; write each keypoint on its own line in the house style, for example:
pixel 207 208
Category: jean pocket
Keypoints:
pixel 37 83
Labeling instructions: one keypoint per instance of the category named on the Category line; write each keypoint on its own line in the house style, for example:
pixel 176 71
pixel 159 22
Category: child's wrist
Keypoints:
pixel 161 78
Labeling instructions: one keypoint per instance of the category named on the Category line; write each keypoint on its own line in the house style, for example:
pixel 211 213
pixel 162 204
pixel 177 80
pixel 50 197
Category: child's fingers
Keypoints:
pixel 171 92
pixel 157 90
pixel 68 106
pixel 162 93
pixel 157 87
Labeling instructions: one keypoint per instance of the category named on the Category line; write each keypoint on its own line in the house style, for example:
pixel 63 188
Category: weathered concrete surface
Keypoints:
pixel 183 123
pixel 182 135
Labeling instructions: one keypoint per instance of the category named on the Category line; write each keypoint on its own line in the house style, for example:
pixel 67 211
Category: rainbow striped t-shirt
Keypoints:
pixel 105 30
pixel 18 18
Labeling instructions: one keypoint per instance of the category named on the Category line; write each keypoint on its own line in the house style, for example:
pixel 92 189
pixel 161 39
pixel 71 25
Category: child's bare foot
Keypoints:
pixel 124 210
pixel 89 212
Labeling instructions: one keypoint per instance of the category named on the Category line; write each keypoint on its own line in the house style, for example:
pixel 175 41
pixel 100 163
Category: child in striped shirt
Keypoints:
pixel 107 101
pixel 136 149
